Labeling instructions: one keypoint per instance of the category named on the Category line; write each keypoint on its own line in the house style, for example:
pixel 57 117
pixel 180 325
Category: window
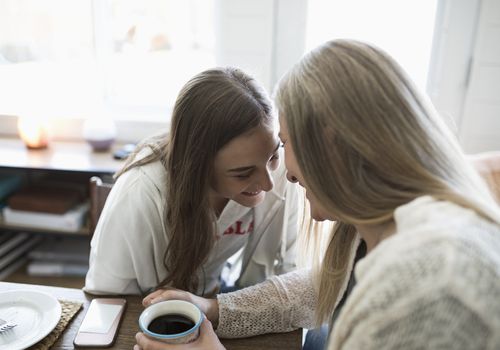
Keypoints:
pixel 81 58
pixel 402 28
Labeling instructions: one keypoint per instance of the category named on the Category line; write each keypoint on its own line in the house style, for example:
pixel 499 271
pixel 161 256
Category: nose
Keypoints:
pixel 267 182
pixel 291 178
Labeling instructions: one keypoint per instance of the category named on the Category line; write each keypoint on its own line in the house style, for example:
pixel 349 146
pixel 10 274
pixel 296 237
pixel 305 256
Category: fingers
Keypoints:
pixel 166 294
pixel 145 343
pixel 206 325
pixel 208 339
pixel 147 300
pixel 206 329
pixel 157 293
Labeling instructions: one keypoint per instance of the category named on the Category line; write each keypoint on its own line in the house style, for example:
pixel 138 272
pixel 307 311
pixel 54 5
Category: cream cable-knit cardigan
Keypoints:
pixel 434 284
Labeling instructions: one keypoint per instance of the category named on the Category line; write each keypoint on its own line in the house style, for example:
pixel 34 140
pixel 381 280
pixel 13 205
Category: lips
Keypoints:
pixel 251 194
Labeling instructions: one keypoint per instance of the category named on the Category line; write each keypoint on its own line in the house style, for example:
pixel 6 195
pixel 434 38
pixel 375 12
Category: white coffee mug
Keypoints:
pixel 172 307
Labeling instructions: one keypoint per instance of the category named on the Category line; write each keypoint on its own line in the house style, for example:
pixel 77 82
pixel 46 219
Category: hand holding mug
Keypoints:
pixel 207 340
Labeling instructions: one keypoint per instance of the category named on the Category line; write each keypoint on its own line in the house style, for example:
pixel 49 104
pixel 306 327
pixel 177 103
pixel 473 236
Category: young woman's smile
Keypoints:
pixel 251 194
pixel 242 169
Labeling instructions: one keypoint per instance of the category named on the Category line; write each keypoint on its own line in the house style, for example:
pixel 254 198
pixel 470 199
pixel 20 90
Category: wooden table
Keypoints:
pixel 129 326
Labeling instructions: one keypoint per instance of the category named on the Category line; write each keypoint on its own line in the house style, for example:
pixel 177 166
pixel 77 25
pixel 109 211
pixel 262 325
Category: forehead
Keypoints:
pixel 248 149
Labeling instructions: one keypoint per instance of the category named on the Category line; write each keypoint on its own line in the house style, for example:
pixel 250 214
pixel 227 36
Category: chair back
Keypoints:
pixel 98 193
pixel 488 166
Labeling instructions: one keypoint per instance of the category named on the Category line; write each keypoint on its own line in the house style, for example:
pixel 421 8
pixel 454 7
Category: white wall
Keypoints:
pixel 454 37
pixel 464 77
pixel 244 36
pixel 480 122
pixel 263 37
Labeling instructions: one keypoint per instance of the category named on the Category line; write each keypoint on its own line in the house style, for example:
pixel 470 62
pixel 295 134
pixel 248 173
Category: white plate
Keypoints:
pixel 35 313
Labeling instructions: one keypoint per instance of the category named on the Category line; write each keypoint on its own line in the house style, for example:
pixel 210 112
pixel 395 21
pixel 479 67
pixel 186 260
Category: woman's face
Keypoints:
pixel 242 168
pixel 295 175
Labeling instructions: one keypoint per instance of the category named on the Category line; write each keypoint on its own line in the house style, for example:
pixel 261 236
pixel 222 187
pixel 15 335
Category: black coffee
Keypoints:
pixel 170 324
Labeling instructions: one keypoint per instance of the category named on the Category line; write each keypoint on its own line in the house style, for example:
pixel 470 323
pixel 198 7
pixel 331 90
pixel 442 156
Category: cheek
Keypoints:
pixel 318 213
pixel 274 164
pixel 218 185
pixel 222 185
pixel 232 187
pixel 290 162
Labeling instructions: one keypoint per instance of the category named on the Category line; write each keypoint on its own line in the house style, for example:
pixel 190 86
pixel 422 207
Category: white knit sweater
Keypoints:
pixel 434 284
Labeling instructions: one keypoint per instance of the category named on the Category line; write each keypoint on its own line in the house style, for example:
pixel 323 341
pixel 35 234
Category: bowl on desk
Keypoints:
pixel 100 134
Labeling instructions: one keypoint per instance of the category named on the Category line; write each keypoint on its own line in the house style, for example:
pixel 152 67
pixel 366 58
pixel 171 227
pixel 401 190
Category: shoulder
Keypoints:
pixel 148 179
pixel 135 203
pixel 437 247
pixel 440 271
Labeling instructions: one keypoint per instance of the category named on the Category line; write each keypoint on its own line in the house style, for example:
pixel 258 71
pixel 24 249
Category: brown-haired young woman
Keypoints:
pixel 187 201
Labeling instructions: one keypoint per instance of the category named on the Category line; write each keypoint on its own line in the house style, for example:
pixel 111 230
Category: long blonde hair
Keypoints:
pixel 213 108
pixel 367 142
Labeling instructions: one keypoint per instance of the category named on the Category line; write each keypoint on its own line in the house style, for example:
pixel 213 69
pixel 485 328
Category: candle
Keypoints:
pixel 33 132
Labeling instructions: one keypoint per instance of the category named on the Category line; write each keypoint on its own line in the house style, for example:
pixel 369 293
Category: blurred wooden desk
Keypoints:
pixel 129 326
pixel 59 156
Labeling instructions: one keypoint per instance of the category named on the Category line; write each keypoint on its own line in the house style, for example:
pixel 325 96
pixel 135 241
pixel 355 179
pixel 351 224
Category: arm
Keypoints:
pixel 280 304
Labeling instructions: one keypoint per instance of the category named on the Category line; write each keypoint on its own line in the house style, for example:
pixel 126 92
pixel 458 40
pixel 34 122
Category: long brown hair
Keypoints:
pixel 213 108
pixel 367 142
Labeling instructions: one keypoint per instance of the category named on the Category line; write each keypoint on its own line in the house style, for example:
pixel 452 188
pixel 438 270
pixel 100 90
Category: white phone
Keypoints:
pixel 100 324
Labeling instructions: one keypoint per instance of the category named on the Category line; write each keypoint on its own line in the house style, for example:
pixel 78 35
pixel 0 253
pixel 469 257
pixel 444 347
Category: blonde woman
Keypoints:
pixel 188 201
pixel 373 156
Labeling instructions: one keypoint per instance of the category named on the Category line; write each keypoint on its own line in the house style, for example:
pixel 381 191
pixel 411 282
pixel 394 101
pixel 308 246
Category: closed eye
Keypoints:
pixel 244 175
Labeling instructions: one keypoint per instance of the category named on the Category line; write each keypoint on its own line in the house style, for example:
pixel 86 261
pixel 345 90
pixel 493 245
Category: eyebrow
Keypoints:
pixel 236 170
pixel 245 168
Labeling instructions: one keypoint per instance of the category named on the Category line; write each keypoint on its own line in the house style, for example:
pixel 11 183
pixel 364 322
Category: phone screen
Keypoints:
pixel 100 323
pixel 100 318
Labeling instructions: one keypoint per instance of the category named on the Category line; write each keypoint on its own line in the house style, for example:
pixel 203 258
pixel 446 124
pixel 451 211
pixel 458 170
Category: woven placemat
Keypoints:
pixel 68 310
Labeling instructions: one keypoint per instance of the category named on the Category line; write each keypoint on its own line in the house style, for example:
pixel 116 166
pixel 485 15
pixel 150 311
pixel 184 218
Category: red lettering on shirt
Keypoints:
pixel 236 229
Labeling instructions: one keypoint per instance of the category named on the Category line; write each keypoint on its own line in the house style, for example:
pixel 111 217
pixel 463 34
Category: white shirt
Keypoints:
pixel 130 239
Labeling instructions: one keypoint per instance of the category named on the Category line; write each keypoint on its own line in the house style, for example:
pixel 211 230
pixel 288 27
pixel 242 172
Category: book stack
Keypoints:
pixel 8 185
pixel 14 247
pixel 66 256
pixel 42 207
